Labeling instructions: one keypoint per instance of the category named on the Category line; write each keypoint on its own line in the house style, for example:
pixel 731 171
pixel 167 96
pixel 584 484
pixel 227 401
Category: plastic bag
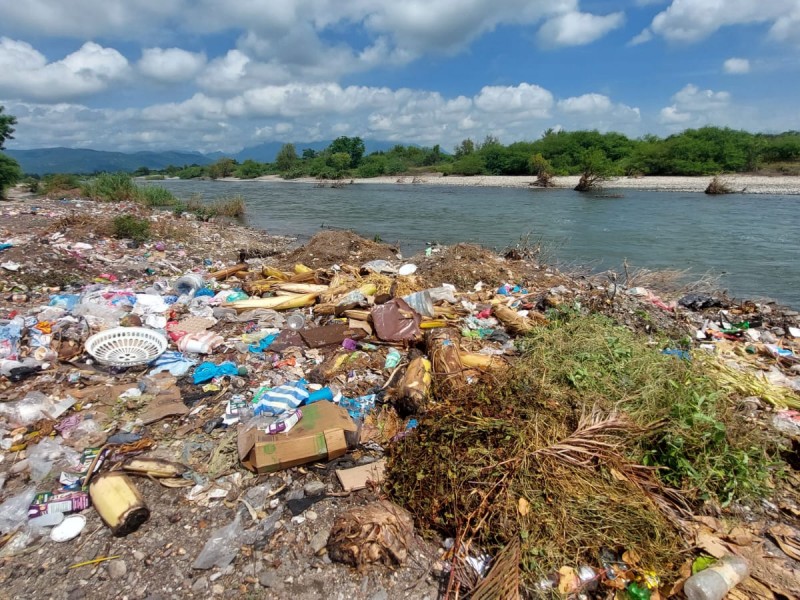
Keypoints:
pixel 222 547
pixel 379 266
pixel 10 333
pixel 14 511
pixel 33 407
pixel 46 454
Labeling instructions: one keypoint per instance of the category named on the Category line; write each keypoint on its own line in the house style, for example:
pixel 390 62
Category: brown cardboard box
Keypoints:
pixel 320 435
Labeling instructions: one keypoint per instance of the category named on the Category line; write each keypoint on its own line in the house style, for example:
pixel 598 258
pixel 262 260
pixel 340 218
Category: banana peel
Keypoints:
pixel 157 468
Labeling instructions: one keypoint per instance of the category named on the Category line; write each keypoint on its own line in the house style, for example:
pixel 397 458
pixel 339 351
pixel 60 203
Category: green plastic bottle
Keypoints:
pixel 636 592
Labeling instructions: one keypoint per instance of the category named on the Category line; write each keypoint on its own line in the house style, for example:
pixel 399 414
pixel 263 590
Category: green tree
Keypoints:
pixel 596 169
pixel 433 156
pixel 465 148
pixel 339 162
pixel 309 153
pixel 470 164
pixel 373 165
pixel 6 127
pixel 10 173
pixel 286 158
pixel 224 167
pixel 353 147
pixel 141 172
pixel 249 169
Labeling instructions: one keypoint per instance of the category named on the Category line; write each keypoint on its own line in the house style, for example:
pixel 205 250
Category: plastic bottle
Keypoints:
pixel 717 580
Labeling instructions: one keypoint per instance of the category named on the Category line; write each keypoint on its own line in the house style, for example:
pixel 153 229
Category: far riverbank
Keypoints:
pixel 748 184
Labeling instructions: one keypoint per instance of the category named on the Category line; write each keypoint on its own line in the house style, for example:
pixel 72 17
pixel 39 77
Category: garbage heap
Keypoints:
pixel 290 366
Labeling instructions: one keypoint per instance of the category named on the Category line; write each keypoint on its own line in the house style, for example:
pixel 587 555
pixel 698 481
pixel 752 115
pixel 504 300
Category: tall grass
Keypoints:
pixel 118 187
pixel 232 207
pixel 157 197
pixel 112 187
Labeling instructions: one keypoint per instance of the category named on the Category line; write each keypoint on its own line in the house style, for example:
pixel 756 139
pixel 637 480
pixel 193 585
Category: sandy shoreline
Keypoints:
pixel 750 184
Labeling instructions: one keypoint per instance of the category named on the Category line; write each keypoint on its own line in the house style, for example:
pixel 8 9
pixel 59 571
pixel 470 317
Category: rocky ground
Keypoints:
pixel 280 548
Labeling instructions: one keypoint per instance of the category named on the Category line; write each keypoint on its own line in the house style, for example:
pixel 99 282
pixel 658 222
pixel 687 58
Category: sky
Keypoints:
pixel 214 75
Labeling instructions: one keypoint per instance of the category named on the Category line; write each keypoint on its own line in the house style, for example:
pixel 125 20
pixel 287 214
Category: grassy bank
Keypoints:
pixel 596 439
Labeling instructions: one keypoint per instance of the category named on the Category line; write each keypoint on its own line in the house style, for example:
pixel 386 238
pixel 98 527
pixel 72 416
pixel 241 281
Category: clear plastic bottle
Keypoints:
pixel 717 580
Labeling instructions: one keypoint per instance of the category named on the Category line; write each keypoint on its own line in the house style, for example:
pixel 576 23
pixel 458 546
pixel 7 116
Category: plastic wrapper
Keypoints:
pixel 14 511
pixel 33 407
pixel 44 456
pixel 396 321
pixel 222 547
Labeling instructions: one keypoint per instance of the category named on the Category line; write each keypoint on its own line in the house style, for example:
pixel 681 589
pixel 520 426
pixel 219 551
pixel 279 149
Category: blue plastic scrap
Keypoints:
pixel 677 353
pixel 263 344
pixel 176 363
pixel 278 400
pixel 206 371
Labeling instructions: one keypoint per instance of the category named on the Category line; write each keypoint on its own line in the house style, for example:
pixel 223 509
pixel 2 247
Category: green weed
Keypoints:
pixel 131 228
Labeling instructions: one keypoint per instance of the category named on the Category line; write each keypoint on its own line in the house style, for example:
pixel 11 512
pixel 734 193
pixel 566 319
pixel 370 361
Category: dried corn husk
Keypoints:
pixel 512 321
pixel 154 467
pixel 276 302
pixel 474 360
pixel 442 346
pixel 415 387
pixel 301 288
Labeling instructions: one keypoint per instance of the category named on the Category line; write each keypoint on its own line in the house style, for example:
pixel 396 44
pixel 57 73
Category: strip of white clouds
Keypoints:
pixel 320 111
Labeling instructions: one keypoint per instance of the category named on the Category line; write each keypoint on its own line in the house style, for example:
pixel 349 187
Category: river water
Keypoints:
pixel 752 242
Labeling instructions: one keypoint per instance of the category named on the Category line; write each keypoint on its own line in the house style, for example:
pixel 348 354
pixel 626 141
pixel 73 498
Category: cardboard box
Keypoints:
pixel 320 435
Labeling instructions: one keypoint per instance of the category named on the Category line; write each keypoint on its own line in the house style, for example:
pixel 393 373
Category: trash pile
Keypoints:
pixel 233 386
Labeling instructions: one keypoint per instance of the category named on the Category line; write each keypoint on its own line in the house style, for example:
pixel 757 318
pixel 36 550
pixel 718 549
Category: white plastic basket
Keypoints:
pixel 126 346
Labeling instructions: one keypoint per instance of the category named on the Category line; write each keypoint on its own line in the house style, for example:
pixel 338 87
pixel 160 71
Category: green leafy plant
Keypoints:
pixel 132 228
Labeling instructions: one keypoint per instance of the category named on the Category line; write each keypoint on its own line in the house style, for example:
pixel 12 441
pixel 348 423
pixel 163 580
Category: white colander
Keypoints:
pixel 126 346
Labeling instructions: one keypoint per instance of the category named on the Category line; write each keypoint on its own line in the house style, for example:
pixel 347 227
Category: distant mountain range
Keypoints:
pixel 41 161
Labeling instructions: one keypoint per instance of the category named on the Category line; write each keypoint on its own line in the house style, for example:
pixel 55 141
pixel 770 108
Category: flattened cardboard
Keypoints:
pixel 320 435
pixel 357 477
pixel 329 335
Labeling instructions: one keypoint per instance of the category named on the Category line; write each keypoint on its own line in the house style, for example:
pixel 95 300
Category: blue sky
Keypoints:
pixel 210 75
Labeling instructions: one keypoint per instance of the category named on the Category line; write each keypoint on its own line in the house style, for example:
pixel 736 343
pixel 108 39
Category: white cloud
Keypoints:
pixel 525 100
pixel 693 20
pixel 27 75
pixel 693 98
pixel 588 103
pixel 226 72
pixel 671 115
pixel 787 27
pixel 736 66
pixel 577 28
pixel 597 111
pixel 171 64
pixel 694 106
pixel 641 38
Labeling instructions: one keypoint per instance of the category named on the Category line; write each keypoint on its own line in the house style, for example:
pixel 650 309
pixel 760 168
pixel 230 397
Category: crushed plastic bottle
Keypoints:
pixel 716 581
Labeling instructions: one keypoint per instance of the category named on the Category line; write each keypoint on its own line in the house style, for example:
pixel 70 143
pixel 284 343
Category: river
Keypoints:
pixel 750 241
